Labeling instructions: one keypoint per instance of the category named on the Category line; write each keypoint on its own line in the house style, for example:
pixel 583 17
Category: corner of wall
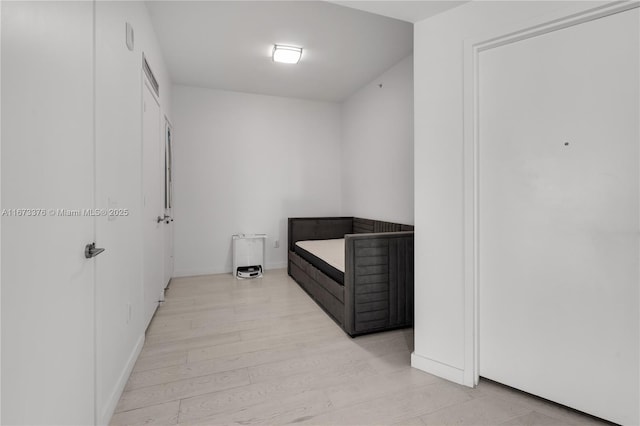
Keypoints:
pixel 439 369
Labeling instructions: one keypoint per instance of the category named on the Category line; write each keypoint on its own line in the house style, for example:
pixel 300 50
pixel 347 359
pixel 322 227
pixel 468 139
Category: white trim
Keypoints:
pixel 94 202
pixel 0 220
pixel 437 368
pixel 112 401
pixel 469 226
pixel 472 48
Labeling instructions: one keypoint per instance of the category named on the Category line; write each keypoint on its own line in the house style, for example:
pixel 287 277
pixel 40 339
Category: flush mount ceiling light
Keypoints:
pixel 286 54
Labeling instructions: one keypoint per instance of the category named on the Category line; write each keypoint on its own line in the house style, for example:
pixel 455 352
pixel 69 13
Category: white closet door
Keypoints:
pixel 559 217
pixel 153 204
pixel 48 352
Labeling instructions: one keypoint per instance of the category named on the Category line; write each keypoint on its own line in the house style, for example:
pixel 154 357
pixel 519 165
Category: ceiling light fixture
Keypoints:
pixel 286 54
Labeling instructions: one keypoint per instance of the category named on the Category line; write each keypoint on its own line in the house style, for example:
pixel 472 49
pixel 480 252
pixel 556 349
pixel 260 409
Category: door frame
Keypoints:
pixel 168 153
pixel 169 201
pixel 146 85
pixel 557 20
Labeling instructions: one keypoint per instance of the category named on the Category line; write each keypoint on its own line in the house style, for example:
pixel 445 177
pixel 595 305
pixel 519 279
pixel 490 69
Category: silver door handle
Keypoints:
pixel 90 250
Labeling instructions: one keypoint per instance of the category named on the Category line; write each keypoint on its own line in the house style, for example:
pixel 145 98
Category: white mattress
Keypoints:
pixel 331 251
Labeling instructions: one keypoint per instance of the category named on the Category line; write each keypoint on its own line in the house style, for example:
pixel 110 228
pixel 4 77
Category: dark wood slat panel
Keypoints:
pixel 371 242
pixel 369 226
pixel 361 226
pixel 373 297
pixel 373 315
pixel 410 271
pixel 328 303
pixel 402 282
pixel 371 306
pixel 372 270
pixel 372 261
pixel 296 259
pixel 318 276
pixel 372 279
pixel 366 326
pixel 393 281
pixel 371 288
pixel 300 276
pixel 328 284
pixel 331 305
pixel 385 227
pixel 360 230
pixel 372 251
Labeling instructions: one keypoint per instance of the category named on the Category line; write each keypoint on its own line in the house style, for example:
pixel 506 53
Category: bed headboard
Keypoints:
pixel 367 226
pixel 326 228
pixel 318 228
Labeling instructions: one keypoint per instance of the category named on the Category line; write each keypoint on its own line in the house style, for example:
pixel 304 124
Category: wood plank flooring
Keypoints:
pixel 223 351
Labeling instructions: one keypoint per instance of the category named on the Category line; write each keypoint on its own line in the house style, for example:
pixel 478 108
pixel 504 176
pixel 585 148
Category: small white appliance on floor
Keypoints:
pixel 248 255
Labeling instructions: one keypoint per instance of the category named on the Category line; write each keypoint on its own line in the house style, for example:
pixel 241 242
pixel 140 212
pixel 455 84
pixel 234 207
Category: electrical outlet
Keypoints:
pixel 128 312
pixel 276 243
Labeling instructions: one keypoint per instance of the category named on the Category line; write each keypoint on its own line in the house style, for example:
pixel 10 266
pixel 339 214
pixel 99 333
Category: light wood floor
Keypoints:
pixel 222 351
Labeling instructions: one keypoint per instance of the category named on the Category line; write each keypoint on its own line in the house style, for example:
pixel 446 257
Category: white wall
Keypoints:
pixel 243 163
pixel 118 94
pixel 441 345
pixel 377 147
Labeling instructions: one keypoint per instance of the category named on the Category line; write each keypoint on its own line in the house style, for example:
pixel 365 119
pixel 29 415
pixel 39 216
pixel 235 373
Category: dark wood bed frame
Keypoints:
pixel 377 294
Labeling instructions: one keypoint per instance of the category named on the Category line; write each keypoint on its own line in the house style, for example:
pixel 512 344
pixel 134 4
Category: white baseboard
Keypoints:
pixel 439 369
pixel 112 401
pixel 277 265
pixel 179 273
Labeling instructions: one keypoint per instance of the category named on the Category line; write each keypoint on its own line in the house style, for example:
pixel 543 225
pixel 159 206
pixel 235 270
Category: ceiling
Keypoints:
pixel 227 44
pixel 410 11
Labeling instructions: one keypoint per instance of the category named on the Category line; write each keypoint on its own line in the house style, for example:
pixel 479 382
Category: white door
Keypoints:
pixel 559 218
pixel 152 199
pixel 168 202
pixel 47 169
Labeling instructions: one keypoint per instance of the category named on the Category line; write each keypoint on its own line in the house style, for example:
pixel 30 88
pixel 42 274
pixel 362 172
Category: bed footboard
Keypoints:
pixel 378 281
